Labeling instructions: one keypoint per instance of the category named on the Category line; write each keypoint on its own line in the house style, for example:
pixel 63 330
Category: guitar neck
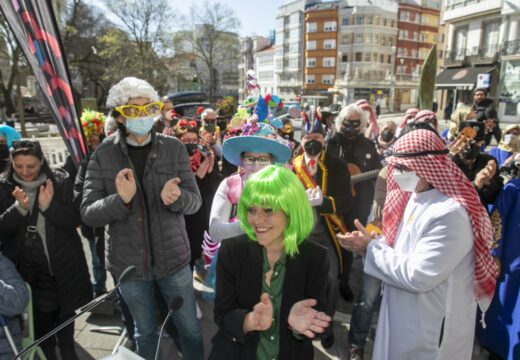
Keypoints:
pixel 364 176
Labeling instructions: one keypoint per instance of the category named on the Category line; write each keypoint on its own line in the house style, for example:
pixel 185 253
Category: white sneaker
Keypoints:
pixel 199 311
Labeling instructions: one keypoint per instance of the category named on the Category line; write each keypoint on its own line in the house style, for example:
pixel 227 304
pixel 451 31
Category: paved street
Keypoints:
pixel 93 344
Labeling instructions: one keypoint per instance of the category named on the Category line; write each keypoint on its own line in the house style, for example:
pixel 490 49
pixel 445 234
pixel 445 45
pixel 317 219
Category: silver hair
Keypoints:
pixel 130 87
pixel 205 113
pixel 347 112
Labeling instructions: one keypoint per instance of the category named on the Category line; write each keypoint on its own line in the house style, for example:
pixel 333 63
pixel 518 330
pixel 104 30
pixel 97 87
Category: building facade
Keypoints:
pixel 418 31
pixel 264 69
pixel 508 93
pixel 474 33
pixel 249 46
pixel 320 48
pixel 289 49
pixel 366 51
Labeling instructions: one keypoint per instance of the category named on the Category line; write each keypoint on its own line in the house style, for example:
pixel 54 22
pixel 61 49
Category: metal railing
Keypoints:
pixel 511 47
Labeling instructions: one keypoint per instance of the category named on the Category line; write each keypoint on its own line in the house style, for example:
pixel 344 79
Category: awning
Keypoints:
pixel 460 78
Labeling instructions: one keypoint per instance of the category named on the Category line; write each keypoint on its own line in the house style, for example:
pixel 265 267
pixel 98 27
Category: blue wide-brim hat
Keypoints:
pixel 258 142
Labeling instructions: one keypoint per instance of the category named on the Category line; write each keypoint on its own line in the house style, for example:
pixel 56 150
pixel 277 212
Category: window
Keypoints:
pixel 345 39
pixel 294 63
pixel 370 19
pixel 344 58
pixel 312 27
pixel 329 44
pixel 294 34
pixel 404 16
pixel 327 79
pixel 360 20
pixel 384 21
pixel 389 59
pixel 401 52
pixel 414 53
pixel 345 21
pixel 310 79
pixel 374 57
pixel 377 20
pixel 390 41
pixel 311 45
pixel 265 75
pixel 376 38
pixel 294 48
pixel 366 57
pixel 311 62
pixel 368 38
pixel 329 62
pixel 424 19
pixel 329 26
pixel 490 34
pixel 382 59
pixel 460 38
pixel 392 23
pixel 358 57
pixel 383 40
pixel 359 38
pixel 415 36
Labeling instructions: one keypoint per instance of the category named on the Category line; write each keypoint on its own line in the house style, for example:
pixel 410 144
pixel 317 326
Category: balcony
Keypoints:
pixel 455 57
pixel 483 55
pixel 511 48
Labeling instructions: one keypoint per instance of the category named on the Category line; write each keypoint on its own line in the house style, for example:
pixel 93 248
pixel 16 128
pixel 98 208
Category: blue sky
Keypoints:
pixel 256 17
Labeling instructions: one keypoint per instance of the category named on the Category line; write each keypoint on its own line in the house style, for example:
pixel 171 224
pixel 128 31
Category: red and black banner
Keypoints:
pixel 36 31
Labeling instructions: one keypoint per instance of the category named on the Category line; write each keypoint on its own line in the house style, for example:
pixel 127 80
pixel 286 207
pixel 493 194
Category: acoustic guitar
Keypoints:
pixel 356 176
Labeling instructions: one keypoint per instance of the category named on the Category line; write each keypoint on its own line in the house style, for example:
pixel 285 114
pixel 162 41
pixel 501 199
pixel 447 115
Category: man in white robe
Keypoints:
pixel 434 260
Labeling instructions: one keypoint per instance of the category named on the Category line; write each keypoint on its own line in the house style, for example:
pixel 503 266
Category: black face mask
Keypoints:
pixel 470 153
pixel 192 148
pixel 209 127
pixel 387 135
pixel 222 124
pixel 350 129
pixel 313 147
pixel 4 151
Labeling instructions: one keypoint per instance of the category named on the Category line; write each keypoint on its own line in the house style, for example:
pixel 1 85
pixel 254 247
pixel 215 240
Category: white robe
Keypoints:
pixel 428 276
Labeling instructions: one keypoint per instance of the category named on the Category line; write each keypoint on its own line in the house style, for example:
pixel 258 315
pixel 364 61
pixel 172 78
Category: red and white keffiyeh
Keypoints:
pixel 363 104
pixel 427 116
pixel 409 115
pixel 442 173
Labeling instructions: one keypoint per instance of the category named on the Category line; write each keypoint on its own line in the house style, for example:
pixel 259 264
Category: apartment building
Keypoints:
pixel 320 48
pixel 418 26
pixel 367 38
pixel 474 33
pixel 508 92
pixel 249 46
pixel 289 49
pixel 264 69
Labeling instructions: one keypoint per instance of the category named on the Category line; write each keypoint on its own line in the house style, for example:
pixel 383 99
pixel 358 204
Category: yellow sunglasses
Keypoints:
pixel 133 111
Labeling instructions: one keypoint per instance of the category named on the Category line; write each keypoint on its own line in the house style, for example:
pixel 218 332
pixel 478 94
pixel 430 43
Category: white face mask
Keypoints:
pixel 508 138
pixel 407 180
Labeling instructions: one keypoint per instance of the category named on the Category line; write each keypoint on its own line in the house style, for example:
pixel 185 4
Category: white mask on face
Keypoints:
pixel 407 180
pixel 508 138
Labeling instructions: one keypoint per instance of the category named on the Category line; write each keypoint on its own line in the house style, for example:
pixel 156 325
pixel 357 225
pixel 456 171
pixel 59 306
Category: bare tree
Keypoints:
pixel 210 38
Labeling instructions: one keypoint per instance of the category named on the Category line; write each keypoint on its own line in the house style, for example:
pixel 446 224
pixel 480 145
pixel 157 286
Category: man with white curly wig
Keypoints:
pixel 140 184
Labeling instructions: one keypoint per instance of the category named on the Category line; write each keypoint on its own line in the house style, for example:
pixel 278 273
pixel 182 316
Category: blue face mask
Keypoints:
pixel 140 126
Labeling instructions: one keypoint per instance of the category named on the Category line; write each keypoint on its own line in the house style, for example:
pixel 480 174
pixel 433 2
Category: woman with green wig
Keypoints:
pixel 271 282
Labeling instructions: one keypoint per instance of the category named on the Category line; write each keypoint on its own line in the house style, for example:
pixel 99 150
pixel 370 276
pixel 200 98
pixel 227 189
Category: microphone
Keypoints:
pixel 175 305
pixel 125 275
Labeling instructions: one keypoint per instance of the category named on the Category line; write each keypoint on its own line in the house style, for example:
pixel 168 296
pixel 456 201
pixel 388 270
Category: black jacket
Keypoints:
pixel 238 290
pixel 361 152
pixel 70 287
pixel 488 193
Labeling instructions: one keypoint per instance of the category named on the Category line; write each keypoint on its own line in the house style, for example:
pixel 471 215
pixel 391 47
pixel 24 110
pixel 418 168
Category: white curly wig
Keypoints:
pixel 347 112
pixel 130 87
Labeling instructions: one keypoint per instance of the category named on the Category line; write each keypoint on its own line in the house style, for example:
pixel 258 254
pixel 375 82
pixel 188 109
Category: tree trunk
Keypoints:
pixel 19 105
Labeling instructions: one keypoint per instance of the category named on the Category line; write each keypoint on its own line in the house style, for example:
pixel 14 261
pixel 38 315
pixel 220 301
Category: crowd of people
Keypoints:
pixel 272 224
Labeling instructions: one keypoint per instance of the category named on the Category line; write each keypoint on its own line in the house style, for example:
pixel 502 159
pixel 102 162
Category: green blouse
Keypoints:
pixel 269 341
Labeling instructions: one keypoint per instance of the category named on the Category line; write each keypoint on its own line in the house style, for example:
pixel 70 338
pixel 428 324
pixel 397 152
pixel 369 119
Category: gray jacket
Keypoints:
pixel 14 297
pixel 141 231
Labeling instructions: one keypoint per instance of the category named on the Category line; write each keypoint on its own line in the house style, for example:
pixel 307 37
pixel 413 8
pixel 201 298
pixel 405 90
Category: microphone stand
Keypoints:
pixel 124 276
pixel 175 305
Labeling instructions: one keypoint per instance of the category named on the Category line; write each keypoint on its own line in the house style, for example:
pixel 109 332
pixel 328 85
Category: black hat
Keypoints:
pixel 478 126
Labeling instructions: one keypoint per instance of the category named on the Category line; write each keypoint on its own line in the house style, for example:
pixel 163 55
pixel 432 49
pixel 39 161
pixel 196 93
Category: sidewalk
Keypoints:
pixel 95 345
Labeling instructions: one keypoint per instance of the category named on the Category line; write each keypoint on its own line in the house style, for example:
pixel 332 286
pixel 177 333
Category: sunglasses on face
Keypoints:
pixel 352 123
pixel 130 111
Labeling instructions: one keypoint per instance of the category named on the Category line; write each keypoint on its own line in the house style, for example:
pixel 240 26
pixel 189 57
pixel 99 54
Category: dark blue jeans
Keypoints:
pixel 98 266
pixel 362 311
pixel 139 296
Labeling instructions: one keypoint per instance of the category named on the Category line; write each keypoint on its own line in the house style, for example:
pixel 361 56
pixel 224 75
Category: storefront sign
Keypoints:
pixel 484 81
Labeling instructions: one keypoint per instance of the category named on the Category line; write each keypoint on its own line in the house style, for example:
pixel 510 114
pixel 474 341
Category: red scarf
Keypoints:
pixel 442 173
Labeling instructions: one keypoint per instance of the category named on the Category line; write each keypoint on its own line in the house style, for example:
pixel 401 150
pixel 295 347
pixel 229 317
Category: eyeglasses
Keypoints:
pixel 133 111
pixel 261 160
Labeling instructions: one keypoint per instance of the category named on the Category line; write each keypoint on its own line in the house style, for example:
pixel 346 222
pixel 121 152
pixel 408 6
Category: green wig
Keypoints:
pixel 277 188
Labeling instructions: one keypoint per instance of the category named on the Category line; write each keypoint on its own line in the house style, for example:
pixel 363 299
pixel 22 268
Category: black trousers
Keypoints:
pixel 64 339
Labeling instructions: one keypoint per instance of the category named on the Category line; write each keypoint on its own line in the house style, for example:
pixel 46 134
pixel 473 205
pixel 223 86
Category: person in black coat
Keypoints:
pixel 485 112
pixel 271 282
pixel 349 144
pixel 38 223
